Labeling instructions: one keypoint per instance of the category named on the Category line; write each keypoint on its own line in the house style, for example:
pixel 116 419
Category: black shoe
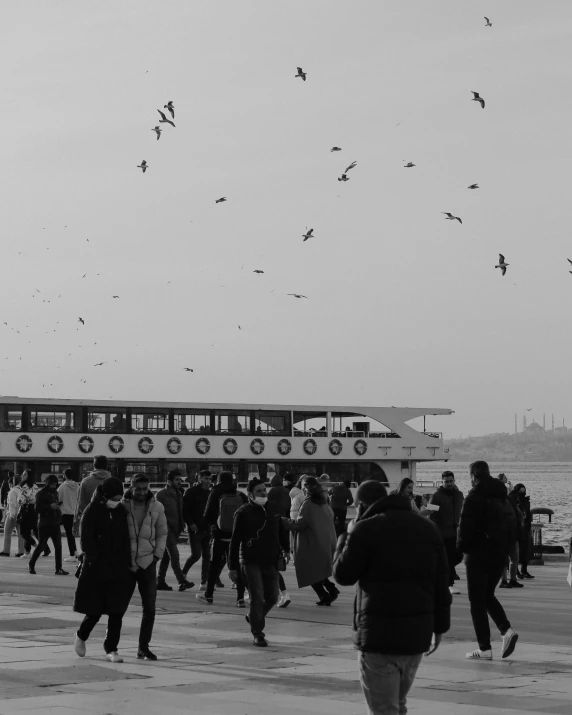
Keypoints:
pixel 219 583
pixel 334 592
pixel 61 572
pixel 324 602
pixel 515 584
pixel 145 653
pixel 164 587
pixel 526 575
pixel 519 575
pixel 17 556
pixel 505 584
pixel 3 553
pixel 260 641
pixel 32 570
pixel 186 585
pixel 247 618
pixel 47 552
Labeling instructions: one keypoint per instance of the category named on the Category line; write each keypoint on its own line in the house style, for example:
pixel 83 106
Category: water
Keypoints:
pixel 548 484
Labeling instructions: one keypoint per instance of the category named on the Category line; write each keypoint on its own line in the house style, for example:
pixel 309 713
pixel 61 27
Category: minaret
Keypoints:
pixel 544 421
pixel 523 422
pixel 553 422
pixel 515 424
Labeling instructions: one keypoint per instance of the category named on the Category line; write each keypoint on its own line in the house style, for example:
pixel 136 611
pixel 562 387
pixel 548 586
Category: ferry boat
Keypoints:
pixel 347 443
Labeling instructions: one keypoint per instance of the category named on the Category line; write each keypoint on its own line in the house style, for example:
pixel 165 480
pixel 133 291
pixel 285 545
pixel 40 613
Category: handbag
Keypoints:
pixel 281 563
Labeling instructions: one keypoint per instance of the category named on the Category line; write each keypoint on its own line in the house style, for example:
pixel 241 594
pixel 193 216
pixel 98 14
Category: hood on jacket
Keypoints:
pixel 448 491
pixel 128 496
pixel 276 481
pixel 74 486
pixel 491 488
pixel 100 474
pixel 392 501
pixel 518 487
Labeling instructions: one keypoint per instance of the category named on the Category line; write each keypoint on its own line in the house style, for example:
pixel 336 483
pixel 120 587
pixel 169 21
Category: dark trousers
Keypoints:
pixel 324 589
pixel 451 550
pixel 146 580
pixel 200 548
pixel 262 583
pixel 340 517
pixel 67 523
pixel 54 533
pixel 524 545
pixel 219 556
pixel 171 556
pixel 483 576
pixel 281 584
pixel 29 527
pixel 112 635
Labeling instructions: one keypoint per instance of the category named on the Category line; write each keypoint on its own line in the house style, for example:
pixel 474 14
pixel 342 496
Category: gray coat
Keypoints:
pixel 315 543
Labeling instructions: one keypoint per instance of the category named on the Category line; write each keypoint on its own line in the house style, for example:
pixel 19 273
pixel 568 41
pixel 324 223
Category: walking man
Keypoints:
pixel 402 606
pixel 68 493
pixel 341 498
pixel 450 502
pixel 172 500
pixel 10 519
pixel 259 539
pixel 49 523
pixel 88 486
pixel 148 536
pixel 486 533
pixel 194 505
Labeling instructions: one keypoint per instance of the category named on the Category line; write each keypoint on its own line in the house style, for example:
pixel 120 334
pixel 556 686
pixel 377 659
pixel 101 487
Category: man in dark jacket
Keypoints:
pixel 172 500
pixel 258 541
pixel 226 491
pixel 194 505
pixel 341 498
pixel 450 502
pixel 524 537
pixel 279 494
pixel 402 605
pixel 49 523
pixel 486 531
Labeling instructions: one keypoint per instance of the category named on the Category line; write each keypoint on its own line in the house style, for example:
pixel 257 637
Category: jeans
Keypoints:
pixel 112 634
pixel 200 548
pixel 146 580
pixel 9 525
pixel 483 576
pixel 171 555
pixel 386 679
pixel 67 523
pixel 262 583
pixel 54 533
pixel 511 559
pixel 451 551
pixel 218 558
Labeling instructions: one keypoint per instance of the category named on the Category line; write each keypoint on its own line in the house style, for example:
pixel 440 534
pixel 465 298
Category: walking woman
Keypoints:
pixel 106 581
pixel 525 537
pixel 27 514
pixel 49 512
pixel 315 542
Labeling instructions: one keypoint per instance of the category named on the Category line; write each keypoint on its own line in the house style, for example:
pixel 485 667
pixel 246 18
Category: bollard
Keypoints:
pixel 536 534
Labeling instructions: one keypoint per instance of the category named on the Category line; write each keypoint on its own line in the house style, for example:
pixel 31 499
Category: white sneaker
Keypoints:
pixel 203 587
pixel 79 645
pixel 25 556
pixel 508 643
pixel 114 657
pixel 247 596
pixel 480 655
pixel 454 591
pixel 285 600
pixel 70 558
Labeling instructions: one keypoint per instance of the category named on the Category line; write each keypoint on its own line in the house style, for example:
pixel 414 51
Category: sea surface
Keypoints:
pixel 548 484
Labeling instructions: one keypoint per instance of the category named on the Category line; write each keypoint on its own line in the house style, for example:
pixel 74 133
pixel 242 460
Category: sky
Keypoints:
pixel 403 307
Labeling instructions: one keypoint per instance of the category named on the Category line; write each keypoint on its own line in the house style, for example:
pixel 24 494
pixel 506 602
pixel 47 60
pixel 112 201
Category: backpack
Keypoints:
pixel 228 506
pixel 500 524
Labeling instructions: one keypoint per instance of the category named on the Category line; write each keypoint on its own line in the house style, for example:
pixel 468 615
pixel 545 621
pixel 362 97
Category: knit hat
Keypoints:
pixel 111 487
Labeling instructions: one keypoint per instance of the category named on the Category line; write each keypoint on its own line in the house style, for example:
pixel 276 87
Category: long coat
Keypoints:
pixel 106 582
pixel 315 543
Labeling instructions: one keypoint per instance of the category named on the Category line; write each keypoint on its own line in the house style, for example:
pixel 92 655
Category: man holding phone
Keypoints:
pixel 402 607
pixel 449 502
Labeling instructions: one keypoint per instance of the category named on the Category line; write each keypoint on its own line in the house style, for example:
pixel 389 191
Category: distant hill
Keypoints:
pixel 533 445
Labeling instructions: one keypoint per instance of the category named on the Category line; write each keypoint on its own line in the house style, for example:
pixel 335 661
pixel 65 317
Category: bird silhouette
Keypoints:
pixel 308 234
pixel 501 264
pixel 81 320
pixel 409 165
pixel 336 148
pixel 164 118
pixel 188 369
pixel 488 23
pixel 569 261
pixel 478 98
pixel 218 201
pixel 142 166
pixel 297 295
pixel 171 107
pixel 97 364
pixel 343 177
pixel 116 296
pixel 301 73
pixel 473 186
pixel 450 217
pixel 351 166
pixel 256 270
pixel 157 131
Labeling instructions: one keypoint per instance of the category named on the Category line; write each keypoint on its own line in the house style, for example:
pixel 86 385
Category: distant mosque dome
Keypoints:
pixel 534 427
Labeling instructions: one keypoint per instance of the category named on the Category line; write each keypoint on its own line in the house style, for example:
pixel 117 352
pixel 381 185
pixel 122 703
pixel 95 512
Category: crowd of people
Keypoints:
pixel 400 551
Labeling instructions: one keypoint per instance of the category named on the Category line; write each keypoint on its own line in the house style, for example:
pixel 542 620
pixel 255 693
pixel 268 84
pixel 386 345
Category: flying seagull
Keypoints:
pixel 171 107
pixel 142 166
pixel 351 166
pixel 301 73
pixel 489 23
pixel 218 201
pixel 256 270
pixel 98 364
pixel 473 186
pixel 116 296
pixel 164 118
pixel 343 178
pixel 308 234
pixel 569 261
pixel 188 369
pixel 297 295
pixel 450 216
pixel 528 409
pixel 478 98
pixel 157 131
pixel 81 320
pixel 336 148
pixel 409 165
pixel 501 264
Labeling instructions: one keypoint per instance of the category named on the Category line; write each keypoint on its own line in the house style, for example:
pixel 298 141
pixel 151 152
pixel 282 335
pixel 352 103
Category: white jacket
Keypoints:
pixel 297 496
pixel 12 501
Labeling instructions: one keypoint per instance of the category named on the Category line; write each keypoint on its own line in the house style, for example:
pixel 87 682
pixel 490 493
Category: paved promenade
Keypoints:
pixel 208 666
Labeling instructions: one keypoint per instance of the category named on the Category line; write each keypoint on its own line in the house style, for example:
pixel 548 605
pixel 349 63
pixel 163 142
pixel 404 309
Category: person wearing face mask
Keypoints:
pixel 105 582
pixel 48 508
pixel 525 536
pixel 258 541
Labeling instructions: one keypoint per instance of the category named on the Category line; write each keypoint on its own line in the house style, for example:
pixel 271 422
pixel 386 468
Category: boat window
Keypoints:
pixel 150 421
pixel 11 418
pixel 310 424
pixel 272 423
pixel 232 423
pixel 106 420
pixel 55 420
pixel 192 422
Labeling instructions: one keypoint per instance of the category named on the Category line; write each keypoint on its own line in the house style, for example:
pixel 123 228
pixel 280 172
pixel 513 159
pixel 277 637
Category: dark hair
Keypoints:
pixel 139 477
pixel 205 473
pixel 173 474
pixel 51 478
pixel 225 477
pixel 28 478
pixel 100 462
pixel 480 470
pixel 316 493
pixel 404 483
pixel 370 491
pixel 418 499
pixel 69 473
pixel 347 483
pixel 447 473
pixel 298 484
pixel 253 483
